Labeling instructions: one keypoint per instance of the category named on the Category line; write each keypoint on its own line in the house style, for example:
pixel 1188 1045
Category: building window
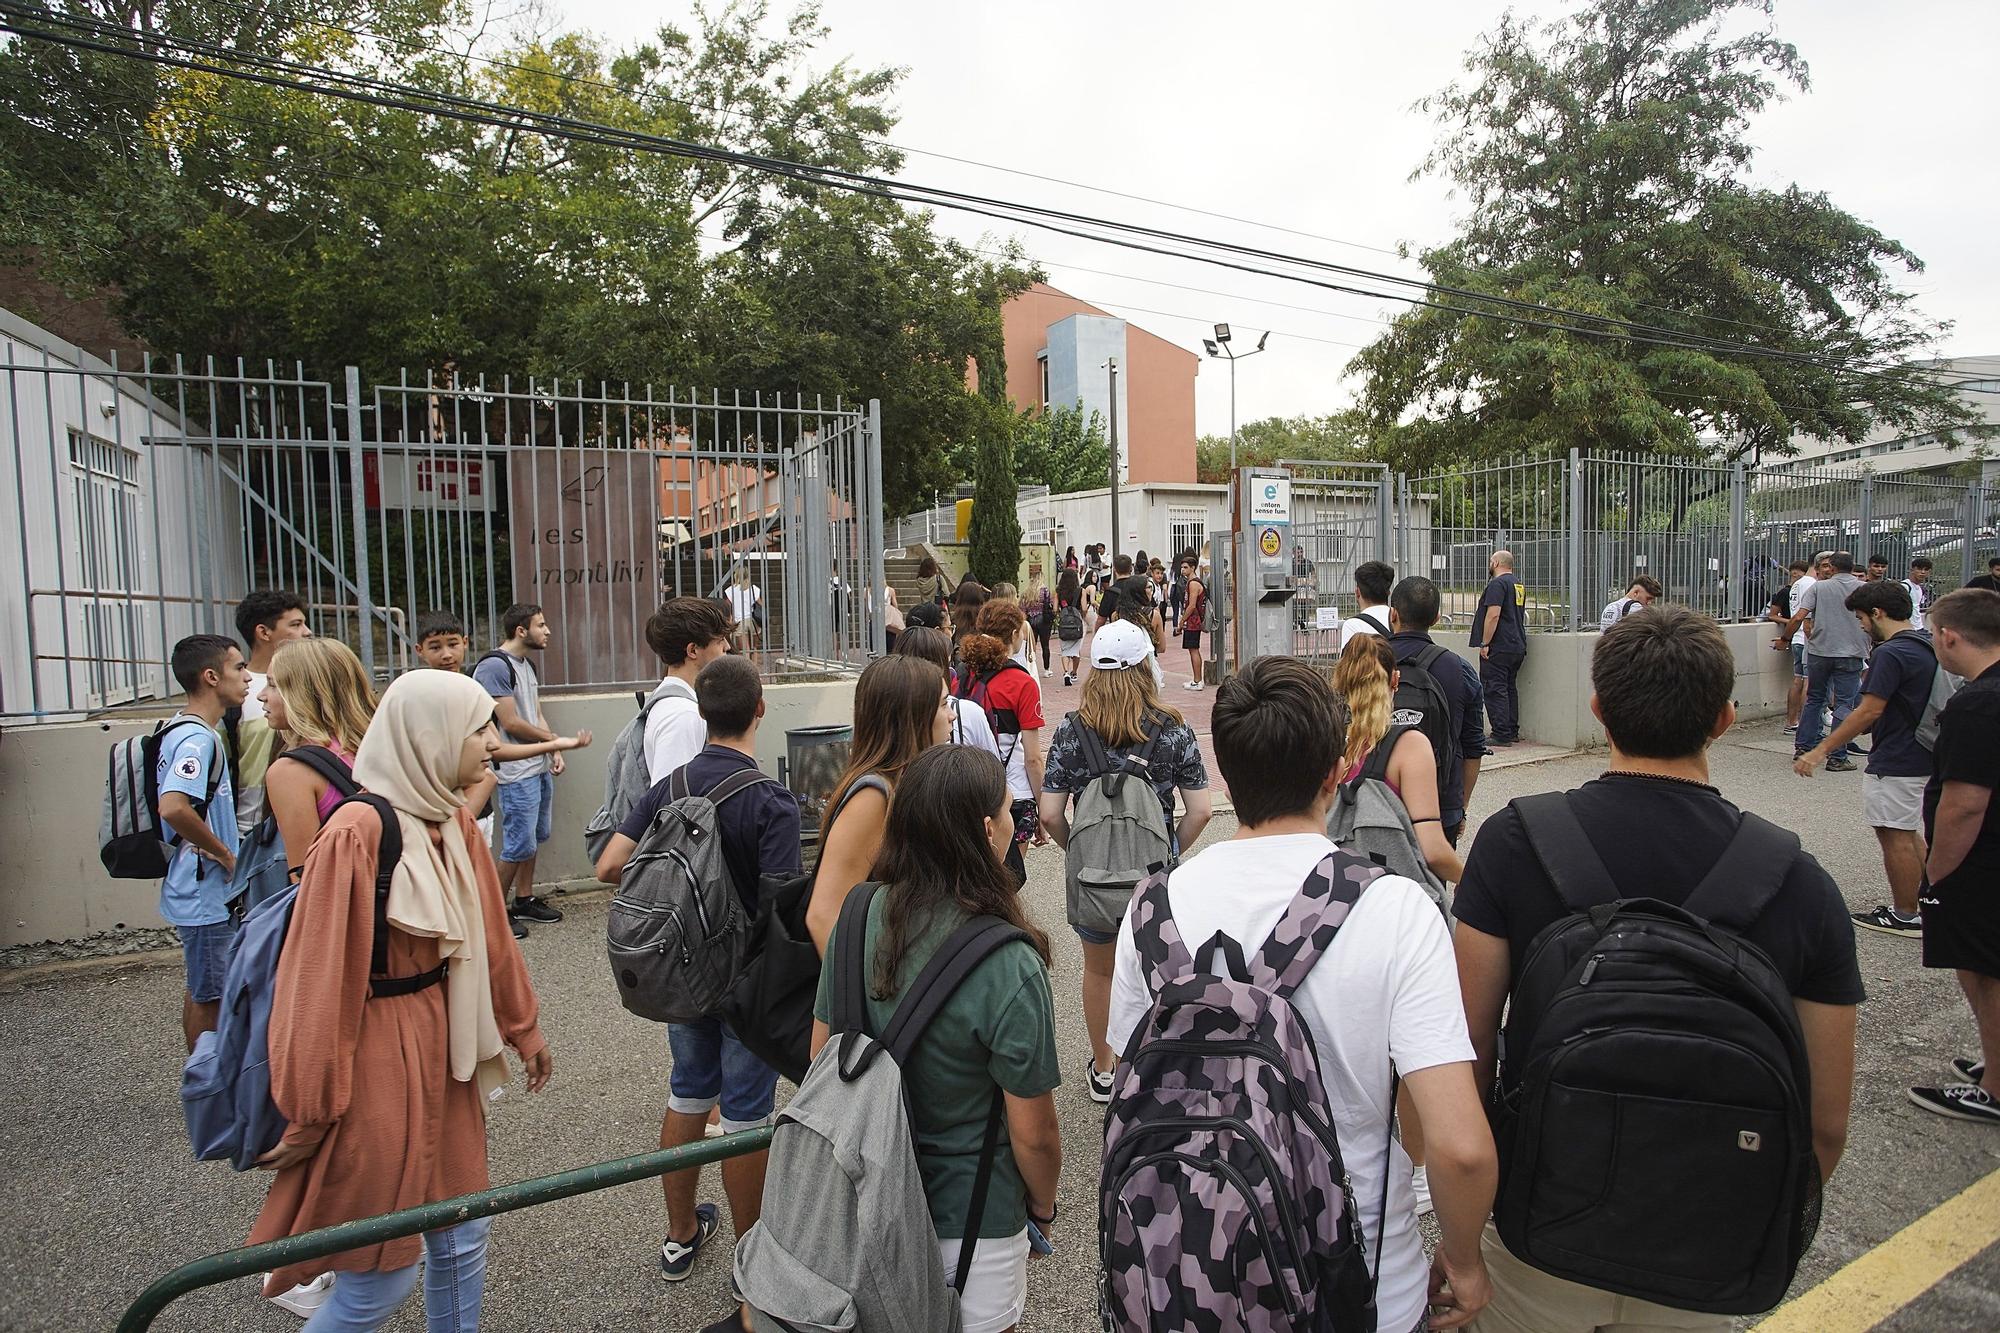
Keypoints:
pixel 104 481
pixel 1043 362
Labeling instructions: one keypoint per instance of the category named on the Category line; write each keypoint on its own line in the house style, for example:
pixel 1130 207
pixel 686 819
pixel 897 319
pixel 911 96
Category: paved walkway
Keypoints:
pixel 98 1195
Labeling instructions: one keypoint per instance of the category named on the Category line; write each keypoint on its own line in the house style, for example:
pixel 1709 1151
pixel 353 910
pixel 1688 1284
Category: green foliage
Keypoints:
pixel 1605 160
pixel 233 219
pixel 995 537
pixel 1342 436
pixel 1061 449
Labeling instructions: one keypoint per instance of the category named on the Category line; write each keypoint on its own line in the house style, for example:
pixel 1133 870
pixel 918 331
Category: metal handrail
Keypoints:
pixel 274 1254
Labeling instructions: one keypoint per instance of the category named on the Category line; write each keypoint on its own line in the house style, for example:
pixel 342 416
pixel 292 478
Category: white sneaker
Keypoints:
pixel 1192 685
pixel 305 1298
pixel 1420 1183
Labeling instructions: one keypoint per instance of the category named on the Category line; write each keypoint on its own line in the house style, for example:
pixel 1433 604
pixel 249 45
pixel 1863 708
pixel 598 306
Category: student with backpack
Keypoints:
pixel 1438 692
pixel 756 826
pixel 1108 801
pixel 385 1049
pixel 266 620
pixel 955 1131
pixel 969 725
pixel 1069 624
pixel 1398 754
pixel 1268 994
pixel 1727 1069
pixel 1372 581
pixel 1901 697
pixel 1011 697
pixel 1194 621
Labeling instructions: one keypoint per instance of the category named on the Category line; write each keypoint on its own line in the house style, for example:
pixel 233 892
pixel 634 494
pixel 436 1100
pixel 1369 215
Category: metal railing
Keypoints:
pixel 252 1259
pixel 146 501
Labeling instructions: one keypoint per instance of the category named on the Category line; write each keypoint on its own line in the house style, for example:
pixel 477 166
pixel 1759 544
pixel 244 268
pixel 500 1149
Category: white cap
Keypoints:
pixel 1120 644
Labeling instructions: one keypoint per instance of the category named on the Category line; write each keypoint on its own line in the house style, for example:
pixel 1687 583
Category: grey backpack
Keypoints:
pixel 677 932
pixel 1943 686
pixel 625 775
pixel 844 1161
pixel 1370 820
pixel 1117 832
pixel 132 840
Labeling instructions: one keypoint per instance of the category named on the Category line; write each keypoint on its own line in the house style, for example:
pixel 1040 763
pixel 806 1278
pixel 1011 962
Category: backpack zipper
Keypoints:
pixel 1235 1178
pixel 1321 1129
pixel 646 909
pixel 1293 1228
pixel 701 912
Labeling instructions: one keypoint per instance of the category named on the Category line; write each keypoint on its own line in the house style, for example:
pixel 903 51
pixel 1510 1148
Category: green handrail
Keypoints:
pixel 364 1231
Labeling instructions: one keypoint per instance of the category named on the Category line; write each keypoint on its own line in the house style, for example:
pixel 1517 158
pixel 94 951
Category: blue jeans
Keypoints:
pixel 454 1285
pixel 526 807
pixel 1834 678
pixel 711 1066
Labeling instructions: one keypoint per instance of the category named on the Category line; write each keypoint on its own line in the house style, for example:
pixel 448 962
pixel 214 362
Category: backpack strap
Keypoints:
pixel 1575 870
pixel 1162 952
pixel 1748 874
pixel 847 988
pixel 328 765
pixel 512 678
pixel 388 852
pixel 1094 754
pixel 742 780
pixel 1377 766
pixel 1310 921
pixel 1372 623
pixel 677 784
pixel 1426 656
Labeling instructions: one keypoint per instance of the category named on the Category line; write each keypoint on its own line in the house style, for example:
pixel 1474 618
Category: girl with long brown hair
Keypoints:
pixel 1010 694
pixel 940 865
pixel 1122 709
pixel 1367 677
pixel 901 709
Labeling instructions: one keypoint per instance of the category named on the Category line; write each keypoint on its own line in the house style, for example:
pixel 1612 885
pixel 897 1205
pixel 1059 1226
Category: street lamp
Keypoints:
pixel 1219 347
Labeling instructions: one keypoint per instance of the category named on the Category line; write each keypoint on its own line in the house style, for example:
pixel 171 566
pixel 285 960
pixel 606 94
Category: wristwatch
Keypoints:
pixel 1044 1222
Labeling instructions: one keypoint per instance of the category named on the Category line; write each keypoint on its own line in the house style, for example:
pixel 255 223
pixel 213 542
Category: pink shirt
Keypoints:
pixel 331 796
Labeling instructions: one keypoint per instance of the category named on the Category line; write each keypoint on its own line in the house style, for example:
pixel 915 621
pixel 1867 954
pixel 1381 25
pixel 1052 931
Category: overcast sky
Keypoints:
pixel 1298 114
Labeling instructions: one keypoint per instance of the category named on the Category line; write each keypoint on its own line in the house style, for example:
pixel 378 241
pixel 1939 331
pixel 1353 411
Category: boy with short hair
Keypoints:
pixel 1919 586
pixel 1383 994
pixel 441 640
pixel 527 786
pixel 687 633
pixel 266 620
pixel 759 828
pixel 1373 580
pixel 202 828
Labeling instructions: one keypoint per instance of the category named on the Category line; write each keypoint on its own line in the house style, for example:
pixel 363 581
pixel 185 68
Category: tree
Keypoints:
pixel 995 538
pixel 1340 437
pixel 1605 159
pixel 1061 449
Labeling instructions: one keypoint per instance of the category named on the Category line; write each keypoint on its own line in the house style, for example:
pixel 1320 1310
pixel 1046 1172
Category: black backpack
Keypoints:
pixel 513 678
pixel 1421 702
pixel 1653 1110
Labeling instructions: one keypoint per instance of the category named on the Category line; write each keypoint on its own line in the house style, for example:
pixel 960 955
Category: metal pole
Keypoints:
pixel 358 490
pixel 1575 540
pixel 1865 538
pixel 878 579
pixel 1737 500
pixel 1112 365
pixel 1232 409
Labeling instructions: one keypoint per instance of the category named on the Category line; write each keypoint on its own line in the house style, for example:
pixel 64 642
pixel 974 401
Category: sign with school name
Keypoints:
pixel 583 533
pixel 1270 500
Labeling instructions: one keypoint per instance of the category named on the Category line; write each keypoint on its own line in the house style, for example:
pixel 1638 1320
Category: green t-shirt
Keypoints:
pixel 999 1027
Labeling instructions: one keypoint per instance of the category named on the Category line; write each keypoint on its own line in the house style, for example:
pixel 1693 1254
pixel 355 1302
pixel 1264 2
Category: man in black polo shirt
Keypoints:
pixel 1414 605
pixel 1662 685
pixel 1500 633
pixel 1990 580
pixel 1960 900
pixel 759 827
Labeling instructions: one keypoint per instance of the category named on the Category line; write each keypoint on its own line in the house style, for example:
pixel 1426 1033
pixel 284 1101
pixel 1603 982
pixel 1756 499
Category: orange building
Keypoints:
pixel 1057 347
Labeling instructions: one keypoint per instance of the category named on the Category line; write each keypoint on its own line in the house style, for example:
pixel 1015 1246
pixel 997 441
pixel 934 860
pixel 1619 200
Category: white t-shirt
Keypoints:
pixel 972 728
pixel 1918 592
pixel 1387 990
pixel 742 599
pixel 1354 625
pixel 1799 590
pixel 675 732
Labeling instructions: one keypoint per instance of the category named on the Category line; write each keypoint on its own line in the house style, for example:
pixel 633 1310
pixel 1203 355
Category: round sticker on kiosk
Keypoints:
pixel 1269 542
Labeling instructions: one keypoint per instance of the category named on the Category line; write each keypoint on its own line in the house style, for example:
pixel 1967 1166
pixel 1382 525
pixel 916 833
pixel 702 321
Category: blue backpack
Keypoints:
pixel 226 1084
pixel 263 867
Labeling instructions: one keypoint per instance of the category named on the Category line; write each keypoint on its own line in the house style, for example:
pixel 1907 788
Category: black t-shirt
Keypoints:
pixel 1968 750
pixel 1986 581
pixel 1509 634
pixel 1659 838
pixel 1900 672
pixel 759 827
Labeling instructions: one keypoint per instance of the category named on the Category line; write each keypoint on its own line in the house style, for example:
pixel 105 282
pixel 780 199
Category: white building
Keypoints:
pixel 1888 449
pixel 104 569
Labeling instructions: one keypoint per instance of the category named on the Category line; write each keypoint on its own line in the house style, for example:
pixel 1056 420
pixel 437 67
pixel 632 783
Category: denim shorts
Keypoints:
pixel 711 1066
pixel 1799 661
pixel 205 951
pixel 526 808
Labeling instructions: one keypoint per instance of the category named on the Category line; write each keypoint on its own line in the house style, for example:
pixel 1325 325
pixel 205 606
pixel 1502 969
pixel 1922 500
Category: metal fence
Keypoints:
pixel 148 501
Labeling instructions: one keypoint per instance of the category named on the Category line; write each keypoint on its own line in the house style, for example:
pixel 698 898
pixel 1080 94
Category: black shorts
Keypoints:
pixel 1962 924
pixel 1191 640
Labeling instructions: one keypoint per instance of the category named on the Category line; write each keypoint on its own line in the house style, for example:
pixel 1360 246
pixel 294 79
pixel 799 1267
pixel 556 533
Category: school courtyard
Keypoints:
pixel 99 1195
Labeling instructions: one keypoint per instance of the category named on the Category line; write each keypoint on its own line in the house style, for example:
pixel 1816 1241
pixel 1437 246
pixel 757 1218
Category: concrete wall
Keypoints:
pixel 1555 690
pixel 52 886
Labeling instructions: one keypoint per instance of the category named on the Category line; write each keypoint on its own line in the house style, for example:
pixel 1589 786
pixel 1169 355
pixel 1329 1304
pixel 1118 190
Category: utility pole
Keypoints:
pixel 1219 347
pixel 1112 366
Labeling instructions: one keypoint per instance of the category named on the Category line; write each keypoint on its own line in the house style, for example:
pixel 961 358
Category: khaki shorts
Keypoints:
pixel 1527 1300
pixel 1892 802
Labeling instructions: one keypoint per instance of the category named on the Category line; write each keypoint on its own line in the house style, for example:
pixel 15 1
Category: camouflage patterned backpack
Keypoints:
pixel 1224 1201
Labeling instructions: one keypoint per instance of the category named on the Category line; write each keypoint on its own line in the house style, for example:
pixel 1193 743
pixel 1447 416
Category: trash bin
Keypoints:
pixel 815 757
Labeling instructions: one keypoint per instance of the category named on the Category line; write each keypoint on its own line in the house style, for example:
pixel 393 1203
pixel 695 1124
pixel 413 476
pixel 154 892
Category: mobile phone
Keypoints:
pixel 1037 1242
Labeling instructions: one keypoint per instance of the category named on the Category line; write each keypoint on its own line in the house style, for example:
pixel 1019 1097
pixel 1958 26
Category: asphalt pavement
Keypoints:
pixel 98 1194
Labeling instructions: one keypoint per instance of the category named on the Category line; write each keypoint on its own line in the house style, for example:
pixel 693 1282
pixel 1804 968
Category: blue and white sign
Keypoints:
pixel 1270 500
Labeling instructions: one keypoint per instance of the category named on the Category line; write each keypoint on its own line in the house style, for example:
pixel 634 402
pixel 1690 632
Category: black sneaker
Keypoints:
pixel 1857 747
pixel 1886 921
pixel 1792 730
pixel 677 1257
pixel 1960 1101
pixel 1099 1085
pixel 1969 1069
pixel 530 908
pixel 520 931
pixel 1840 764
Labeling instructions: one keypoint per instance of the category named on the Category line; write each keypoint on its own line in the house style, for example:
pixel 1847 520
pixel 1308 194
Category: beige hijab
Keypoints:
pixel 410 758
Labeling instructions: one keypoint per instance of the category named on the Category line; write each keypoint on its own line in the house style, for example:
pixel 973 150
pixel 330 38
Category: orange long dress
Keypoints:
pixel 400 1130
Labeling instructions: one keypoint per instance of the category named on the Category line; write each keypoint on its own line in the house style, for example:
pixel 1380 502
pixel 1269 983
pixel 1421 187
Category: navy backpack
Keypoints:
pixel 263 865
pixel 226 1084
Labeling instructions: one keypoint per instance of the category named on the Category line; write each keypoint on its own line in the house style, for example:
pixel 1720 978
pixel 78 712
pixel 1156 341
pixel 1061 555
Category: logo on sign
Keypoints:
pixel 1270 543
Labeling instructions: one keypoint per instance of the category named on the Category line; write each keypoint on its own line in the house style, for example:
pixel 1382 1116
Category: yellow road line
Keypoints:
pixel 1899 1270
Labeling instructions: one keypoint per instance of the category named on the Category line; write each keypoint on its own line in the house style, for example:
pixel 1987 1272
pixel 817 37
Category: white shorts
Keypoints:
pixel 1892 802
pixel 996 1291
